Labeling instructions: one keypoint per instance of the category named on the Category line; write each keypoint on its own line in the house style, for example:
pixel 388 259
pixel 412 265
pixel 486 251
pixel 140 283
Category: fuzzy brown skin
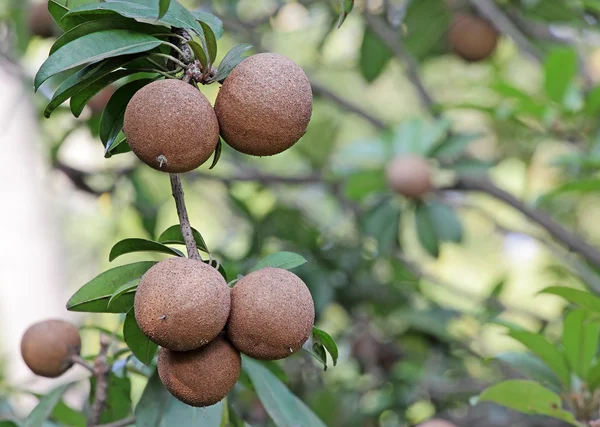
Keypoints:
pixel 40 21
pixel 472 38
pixel 98 102
pixel 409 176
pixel 264 105
pixel 437 422
pixel 171 126
pixel 47 347
pixel 272 314
pixel 182 304
pixel 200 377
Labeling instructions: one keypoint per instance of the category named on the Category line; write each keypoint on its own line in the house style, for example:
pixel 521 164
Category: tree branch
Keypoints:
pixel 77 359
pixel 121 423
pixel 101 372
pixel 184 221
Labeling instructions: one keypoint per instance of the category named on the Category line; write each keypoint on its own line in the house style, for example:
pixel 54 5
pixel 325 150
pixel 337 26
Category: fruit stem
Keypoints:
pixel 184 221
pixel 75 358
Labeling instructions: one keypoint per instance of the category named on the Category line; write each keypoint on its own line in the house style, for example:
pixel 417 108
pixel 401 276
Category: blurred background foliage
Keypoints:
pixel 414 293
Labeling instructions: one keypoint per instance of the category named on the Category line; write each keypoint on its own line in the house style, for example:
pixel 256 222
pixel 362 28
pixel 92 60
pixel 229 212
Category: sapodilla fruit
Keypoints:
pixel 40 22
pixel 200 377
pixel 47 347
pixel 182 304
pixel 264 105
pixel 272 314
pixel 472 38
pixel 437 422
pixel 409 176
pixel 171 126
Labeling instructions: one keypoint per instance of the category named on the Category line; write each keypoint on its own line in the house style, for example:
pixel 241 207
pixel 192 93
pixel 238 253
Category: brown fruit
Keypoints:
pixel 171 126
pixel 98 102
pixel 437 422
pixel 409 176
pixel 40 21
pixel 182 304
pixel 47 347
pixel 264 105
pixel 200 377
pixel 272 314
pixel 472 38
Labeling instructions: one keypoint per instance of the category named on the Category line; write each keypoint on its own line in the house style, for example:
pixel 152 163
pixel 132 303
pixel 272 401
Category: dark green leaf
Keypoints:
pixel 374 55
pixel 127 246
pixel 154 403
pixel 560 70
pixel 580 340
pixel 285 260
pixel 382 222
pixel 231 60
pixel 94 296
pixel 81 98
pixel 211 42
pixel 328 342
pixel 426 24
pixel 365 183
pixel 123 289
pixel 455 145
pixel 447 225
pixel 579 186
pixel 172 235
pixel 532 367
pixel 57 11
pixel 92 48
pixel 527 397
pixel 546 351
pixel 283 407
pixel 141 346
pixel 582 298
pixel 347 6
pixel 163 7
pixel 319 353
pixel 68 416
pixel 118 401
pixel 217 156
pixel 199 52
pixel 44 408
pixel 120 146
pixel 593 379
pixel 426 231
pixel 215 24
pixel 592 102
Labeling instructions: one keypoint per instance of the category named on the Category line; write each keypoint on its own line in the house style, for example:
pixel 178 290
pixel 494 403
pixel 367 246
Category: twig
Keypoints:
pixel 556 230
pixel 77 359
pixel 256 176
pixel 121 423
pixel 101 372
pixel 184 221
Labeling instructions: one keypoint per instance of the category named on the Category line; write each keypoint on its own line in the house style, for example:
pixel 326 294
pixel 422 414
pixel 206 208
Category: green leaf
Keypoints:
pixel 68 416
pixel 163 7
pixel 455 145
pixel 111 122
pixel 418 136
pixel 593 378
pixel 532 367
pixel 382 222
pixel 140 344
pixel 93 297
pixel 92 48
pixel 172 235
pixel 231 60
pixel 364 183
pixel 283 407
pixel 44 408
pixel 123 289
pixel 426 230
pixel 592 102
pixel 347 6
pixel 546 351
pixel 10 423
pixel 582 298
pixel 560 69
pixel 154 403
pixel 285 260
pixel 81 98
pixel 215 24
pixel 118 401
pixel 180 414
pixel 211 42
pixel 217 155
pixel 529 398
pixel 57 11
pixel 199 53
pixel 319 353
pixel 447 225
pixel 426 24
pixel 579 186
pixel 325 339
pixel 580 340
pixel 374 55
pixel 127 246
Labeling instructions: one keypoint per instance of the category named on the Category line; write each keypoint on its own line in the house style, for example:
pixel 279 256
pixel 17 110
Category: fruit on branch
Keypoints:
pixel 40 22
pixel 98 102
pixel 47 347
pixel 409 176
pixel 437 422
pixel 264 105
pixel 272 314
pixel 182 304
pixel 171 126
pixel 472 38
pixel 200 377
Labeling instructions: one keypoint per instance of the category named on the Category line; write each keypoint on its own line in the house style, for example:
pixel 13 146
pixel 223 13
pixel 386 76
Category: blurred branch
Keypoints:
pixel 76 358
pixel 101 372
pixel 257 176
pixel 184 220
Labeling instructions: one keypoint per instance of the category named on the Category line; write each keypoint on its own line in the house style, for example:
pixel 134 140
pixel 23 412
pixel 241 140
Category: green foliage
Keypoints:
pixel 172 235
pixel 285 260
pixel 127 246
pixel 44 408
pixel 140 344
pixel 118 401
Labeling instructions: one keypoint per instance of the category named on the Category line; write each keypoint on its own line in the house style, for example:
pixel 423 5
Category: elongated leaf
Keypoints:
pixel 546 351
pixel 231 60
pixel 67 416
pixel 285 260
pixel 374 55
pixel 217 155
pixel 215 24
pixel 154 403
pixel 92 48
pixel 447 225
pixel 347 6
pixel 283 407
pixel 579 186
pixel 180 414
pixel 172 235
pixel 94 296
pixel 581 298
pixel 81 98
pixel 57 11
pixel 127 246
pixel 593 379
pixel 527 397
pixel 199 53
pixel 560 70
pixel 455 145
pixel 211 42
pixel 532 367
pixel 163 7
pixel 140 344
pixel 123 289
pixel 118 401
pixel 44 408
pixel 325 339
pixel 426 231
pixel 382 222
pixel 580 340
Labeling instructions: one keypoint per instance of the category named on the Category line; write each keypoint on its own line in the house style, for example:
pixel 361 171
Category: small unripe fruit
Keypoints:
pixel 182 304
pixel 171 126
pixel 40 21
pixel 272 314
pixel 437 422
pixel 264 105
pixel 98 102
pixel 409 176
pixel 472 38
pixel 200 377
pixel 47 347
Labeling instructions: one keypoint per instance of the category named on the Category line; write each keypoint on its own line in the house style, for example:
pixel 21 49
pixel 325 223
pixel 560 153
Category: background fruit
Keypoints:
pixel 264 105
pixel 46 347
pixel 472 37
pixel 40 21
pixel 200 377
pixel 171 126
pixel 272 314
pixel 182 304
pixel 409 176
